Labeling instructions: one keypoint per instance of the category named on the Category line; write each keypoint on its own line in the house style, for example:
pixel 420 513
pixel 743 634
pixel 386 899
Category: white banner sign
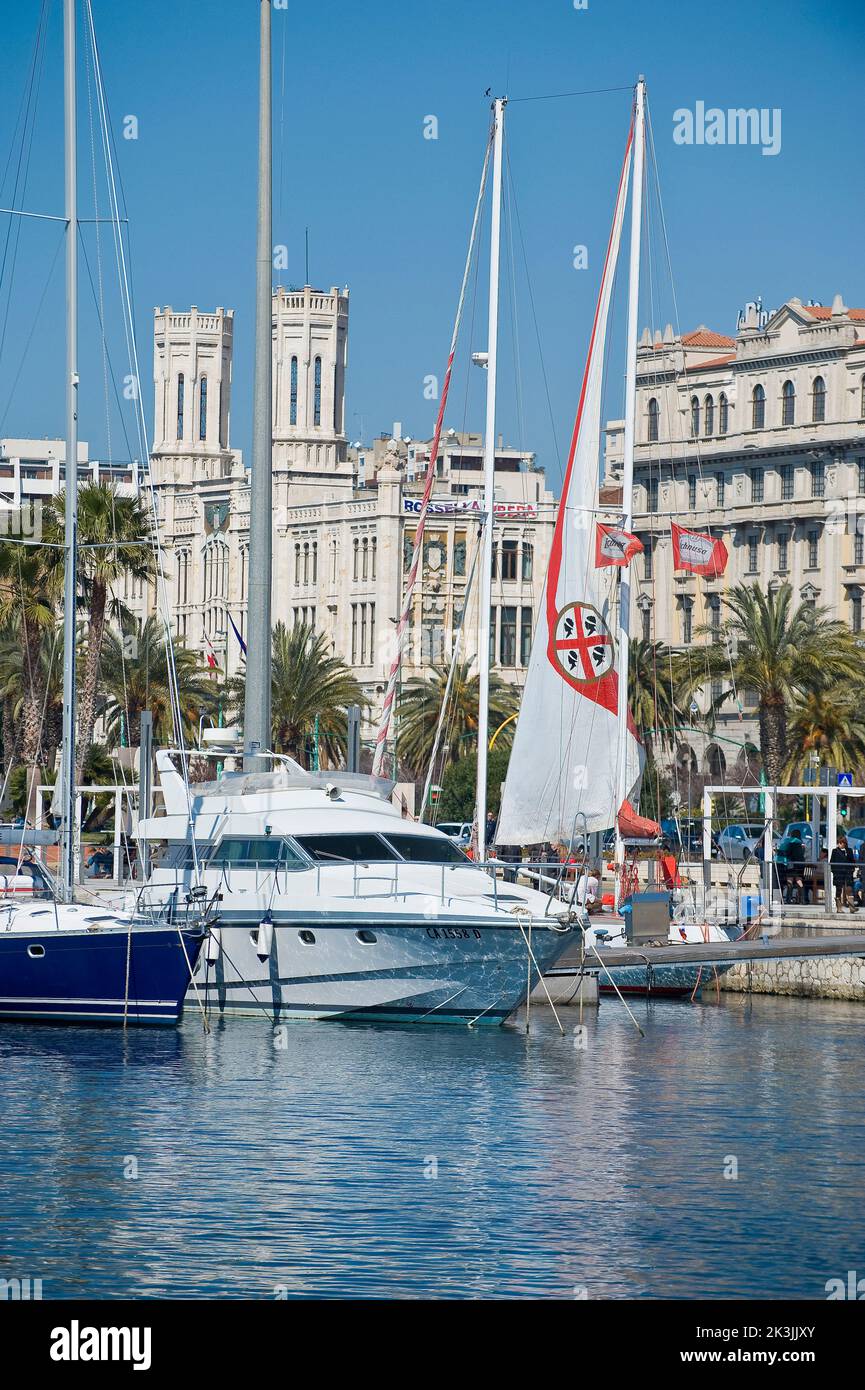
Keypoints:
pixel 519 511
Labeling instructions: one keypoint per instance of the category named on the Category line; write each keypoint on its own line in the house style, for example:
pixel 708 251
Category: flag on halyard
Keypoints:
pixel 614 546
pixel 210 654
pixel 237 634
pixel 698 553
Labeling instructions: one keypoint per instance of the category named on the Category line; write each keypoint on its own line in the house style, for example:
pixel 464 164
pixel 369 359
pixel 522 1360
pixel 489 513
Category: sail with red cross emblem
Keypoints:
pixel 562 775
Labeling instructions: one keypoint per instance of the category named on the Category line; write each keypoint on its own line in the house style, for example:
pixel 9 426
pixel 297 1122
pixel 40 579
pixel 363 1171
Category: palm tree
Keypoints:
pixel 656 693
pixel 135 677
pixel 114 541
pixel 781 654
pixel 28 593
pixel 826 721
pixel 420 706
pixel 306 682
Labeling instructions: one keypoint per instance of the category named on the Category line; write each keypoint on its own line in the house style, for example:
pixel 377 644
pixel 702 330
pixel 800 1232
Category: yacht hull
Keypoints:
pixel 81 976
pixel 411 972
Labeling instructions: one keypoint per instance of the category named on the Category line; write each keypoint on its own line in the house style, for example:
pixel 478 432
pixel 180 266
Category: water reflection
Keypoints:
pixel 406 1162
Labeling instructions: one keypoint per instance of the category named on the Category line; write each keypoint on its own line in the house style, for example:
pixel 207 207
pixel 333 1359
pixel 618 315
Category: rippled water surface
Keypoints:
pixel 440 1162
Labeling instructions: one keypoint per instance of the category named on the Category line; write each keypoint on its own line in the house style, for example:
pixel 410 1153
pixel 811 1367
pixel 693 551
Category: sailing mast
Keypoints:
pixel 622 776
pixel 67 763
pixel 486 586
pixel 256 709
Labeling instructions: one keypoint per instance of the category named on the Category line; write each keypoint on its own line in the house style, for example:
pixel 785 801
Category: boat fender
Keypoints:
pixel 265 937
pixel 213 946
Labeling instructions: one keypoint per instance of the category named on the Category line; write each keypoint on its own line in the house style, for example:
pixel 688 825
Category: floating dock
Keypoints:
pixel 714 952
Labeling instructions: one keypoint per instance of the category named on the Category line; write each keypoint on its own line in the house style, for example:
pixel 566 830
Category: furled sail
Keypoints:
pixel 562 773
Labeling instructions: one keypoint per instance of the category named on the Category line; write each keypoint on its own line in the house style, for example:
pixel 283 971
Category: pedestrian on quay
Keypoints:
pixel 842 862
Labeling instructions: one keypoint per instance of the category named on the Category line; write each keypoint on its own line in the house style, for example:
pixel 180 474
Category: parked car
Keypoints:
pixel 459 832
pixel 855 839
pixel 739 841
pixel 804 831
pixel 685 835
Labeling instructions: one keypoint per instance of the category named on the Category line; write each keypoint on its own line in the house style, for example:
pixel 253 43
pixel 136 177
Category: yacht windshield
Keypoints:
pixel 427 849
pixel 345 849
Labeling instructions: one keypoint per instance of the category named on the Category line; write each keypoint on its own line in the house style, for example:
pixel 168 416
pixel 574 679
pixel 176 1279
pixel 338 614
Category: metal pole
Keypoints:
pixel 67 755
pixel 145 787
pixel 486 591
pixel 622 788
pixel 256 711
pixel 352 761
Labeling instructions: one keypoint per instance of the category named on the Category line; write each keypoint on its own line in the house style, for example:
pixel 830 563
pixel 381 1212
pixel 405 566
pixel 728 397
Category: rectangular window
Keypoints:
pixel 687 624
pixel 652 495
pixel 782 554
pixel 813 549
pixel 492 636
pixel 648 556
pixel 363 634
pixel 858 546
pixel 508 637
pixel 692 492
pixel 756 485
pixel 856 612
pixel 528 560
pixel 509 559
pixel 354 634
pixel 460 556
pixel 371 633
pixel 292 409
pixel 719 489
pixel 525 635
pixel 752 554
pixel 860 470
pixel 316 396
pixel 786 482
pixel 818 479
pixel 646 615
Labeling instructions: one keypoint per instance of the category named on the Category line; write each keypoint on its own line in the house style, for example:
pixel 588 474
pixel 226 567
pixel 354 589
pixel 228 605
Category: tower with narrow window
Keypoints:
pixel 310 351
pixel 198 479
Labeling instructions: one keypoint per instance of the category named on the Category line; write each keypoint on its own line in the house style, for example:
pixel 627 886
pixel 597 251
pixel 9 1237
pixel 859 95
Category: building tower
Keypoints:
pixel 198 479
pixel 310 353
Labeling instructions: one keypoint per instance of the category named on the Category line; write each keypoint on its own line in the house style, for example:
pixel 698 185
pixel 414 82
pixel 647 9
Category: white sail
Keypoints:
pixel 562 773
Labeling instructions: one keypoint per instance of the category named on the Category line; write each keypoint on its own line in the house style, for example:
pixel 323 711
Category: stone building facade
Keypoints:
pixel 758 438
pixel 344 516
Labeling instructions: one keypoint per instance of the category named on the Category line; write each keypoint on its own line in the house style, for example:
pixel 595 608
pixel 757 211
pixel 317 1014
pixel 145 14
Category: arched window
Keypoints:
pixel 723 414
pixel 202 409
pixel 316 397
pixel 758 408
pixel 695 417
pixel 716 763
pixel 180 393
pixel 653 421
pixel 818 400
pixel 292 405
pixel 708 417
pixel 788 403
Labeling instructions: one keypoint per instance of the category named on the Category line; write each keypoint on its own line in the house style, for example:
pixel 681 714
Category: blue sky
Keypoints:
pixel 389 211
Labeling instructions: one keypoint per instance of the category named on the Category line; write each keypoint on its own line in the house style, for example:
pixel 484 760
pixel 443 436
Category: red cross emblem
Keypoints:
pixel 582 644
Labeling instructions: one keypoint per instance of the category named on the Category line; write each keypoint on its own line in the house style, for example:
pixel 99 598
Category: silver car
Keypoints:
pixel 739 841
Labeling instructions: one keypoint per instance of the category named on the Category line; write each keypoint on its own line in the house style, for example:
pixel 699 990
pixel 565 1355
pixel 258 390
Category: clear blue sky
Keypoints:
pixel 388 211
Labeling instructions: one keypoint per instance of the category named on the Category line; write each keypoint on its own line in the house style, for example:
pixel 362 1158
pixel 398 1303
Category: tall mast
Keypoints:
pixel 67 765
pixel 622 788
pixel 256 712
pixel 486 587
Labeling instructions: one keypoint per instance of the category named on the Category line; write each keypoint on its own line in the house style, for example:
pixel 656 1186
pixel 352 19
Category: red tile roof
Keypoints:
pixel 714 362
pixel 704 337
pixel 821 311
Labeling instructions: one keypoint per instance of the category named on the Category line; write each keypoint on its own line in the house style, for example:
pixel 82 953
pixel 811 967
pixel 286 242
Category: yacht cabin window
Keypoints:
pixel 426 849
pixel 263 851
pixel 345 849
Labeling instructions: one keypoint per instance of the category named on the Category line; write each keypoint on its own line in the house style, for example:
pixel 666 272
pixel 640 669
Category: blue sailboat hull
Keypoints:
pixel 81 977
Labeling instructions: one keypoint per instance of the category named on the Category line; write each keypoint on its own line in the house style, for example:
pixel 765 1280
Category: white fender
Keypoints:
pixel 265 938
pixel 213 945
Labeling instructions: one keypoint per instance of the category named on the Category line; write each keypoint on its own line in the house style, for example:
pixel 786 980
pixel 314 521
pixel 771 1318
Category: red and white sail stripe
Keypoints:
pixel 387 707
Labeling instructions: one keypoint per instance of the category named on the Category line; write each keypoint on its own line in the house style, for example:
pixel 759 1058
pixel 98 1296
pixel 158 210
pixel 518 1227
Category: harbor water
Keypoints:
pixel 720 1156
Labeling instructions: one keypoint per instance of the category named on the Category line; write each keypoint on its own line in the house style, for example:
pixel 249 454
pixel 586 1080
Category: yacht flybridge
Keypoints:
pixel 331 905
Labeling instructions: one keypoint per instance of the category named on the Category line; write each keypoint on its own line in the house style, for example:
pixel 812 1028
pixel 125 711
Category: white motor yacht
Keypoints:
pixel 332 905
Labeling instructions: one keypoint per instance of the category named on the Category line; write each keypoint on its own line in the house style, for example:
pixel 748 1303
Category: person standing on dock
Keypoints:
pixel 842 860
